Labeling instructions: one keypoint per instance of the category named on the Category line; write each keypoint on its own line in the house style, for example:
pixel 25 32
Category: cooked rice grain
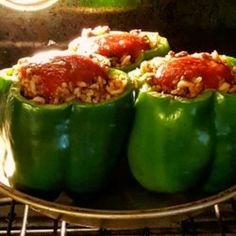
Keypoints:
pixel 101 90
pixel 183 87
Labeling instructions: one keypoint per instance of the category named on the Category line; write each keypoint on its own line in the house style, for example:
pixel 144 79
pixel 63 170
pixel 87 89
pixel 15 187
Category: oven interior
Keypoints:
pixel 19 219
pixel 191 26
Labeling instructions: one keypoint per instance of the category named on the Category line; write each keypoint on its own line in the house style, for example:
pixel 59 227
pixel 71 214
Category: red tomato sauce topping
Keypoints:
pixel 189 67
pixel 120 44
pixel 61 69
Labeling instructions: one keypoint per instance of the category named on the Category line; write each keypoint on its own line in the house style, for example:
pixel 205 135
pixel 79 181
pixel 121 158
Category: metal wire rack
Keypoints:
pixel 20 219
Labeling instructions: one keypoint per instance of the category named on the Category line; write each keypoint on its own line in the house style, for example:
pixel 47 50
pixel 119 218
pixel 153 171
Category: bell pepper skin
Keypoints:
pixel 223 173
pixel 69 147
pixel 179 144
pixel 161 50
pixel 230 60
pixel 5 80
pixel 162 128
pixel 39 145
pixel 97 133
pixel 222 168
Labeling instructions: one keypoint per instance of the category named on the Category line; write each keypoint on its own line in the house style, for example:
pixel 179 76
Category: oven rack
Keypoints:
pixel 19 219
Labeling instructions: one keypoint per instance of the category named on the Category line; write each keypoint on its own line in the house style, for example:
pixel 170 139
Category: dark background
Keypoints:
pixel 196 25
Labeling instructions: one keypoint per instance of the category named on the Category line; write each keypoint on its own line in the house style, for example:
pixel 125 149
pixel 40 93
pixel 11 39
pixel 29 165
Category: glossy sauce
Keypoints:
pixel 69 68
pixel 118 45
pixel 211 71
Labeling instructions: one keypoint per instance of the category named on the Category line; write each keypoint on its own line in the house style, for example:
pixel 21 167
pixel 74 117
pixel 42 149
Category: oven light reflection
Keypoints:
pixel 2 147
pixel 7 166
pixel 27 5
pixel 172 117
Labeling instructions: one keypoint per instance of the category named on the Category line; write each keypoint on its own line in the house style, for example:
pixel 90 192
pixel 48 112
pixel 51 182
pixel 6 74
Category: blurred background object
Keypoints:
pixel 196 25
pixel 27 5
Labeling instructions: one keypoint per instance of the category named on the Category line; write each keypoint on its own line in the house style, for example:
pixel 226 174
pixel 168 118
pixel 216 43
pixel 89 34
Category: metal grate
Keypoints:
pixel 19 219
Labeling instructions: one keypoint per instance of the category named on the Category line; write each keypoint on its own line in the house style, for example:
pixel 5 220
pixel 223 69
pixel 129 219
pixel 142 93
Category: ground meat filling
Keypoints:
pixel 122 48
pixel 62 78
pixel 189 75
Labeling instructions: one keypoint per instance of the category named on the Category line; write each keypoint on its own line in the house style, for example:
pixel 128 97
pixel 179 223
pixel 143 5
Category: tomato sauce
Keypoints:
pixel 120 44
pixel 190 67
pixel 69 68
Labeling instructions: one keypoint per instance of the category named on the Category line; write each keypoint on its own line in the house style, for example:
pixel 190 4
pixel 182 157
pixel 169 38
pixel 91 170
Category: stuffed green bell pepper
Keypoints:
pixel 67 119
pixel 124 50
pixel 184 130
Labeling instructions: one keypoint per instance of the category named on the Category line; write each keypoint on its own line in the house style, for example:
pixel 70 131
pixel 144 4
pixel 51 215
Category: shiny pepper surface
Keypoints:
pixel 69 147
pixel 178 144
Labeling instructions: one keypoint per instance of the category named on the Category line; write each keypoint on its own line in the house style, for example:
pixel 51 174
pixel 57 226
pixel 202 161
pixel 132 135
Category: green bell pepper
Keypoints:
pixel 69 147
pixel 179 144
pixel 160 48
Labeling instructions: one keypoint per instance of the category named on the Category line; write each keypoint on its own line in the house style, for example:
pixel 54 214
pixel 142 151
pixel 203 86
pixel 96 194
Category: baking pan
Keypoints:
pixel 123 204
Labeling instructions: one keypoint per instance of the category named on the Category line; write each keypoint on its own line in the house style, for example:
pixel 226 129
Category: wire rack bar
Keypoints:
pixel 220 219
